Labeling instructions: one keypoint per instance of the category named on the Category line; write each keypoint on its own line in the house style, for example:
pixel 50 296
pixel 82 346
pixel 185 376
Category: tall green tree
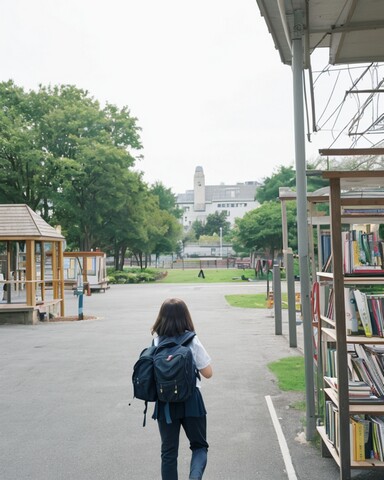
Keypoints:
pixel 198 228
pixel 212 225
pixel 65 156
pixel 269 190
pixel 286 177
pixel 167 199
pixel 214 222
pixel 260 229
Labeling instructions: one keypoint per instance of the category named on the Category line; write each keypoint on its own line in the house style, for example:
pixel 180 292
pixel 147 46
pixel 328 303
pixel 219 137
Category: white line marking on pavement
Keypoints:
pixel 282 442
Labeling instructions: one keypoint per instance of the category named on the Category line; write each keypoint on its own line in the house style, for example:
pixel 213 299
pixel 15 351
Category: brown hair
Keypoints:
pixel 173 319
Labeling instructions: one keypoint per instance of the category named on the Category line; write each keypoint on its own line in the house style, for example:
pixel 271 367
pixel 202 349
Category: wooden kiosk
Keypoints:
pixel 31 256
pixel 91 266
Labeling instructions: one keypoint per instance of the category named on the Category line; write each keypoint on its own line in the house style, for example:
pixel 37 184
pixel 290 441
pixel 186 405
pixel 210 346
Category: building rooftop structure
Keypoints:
pixel 203 200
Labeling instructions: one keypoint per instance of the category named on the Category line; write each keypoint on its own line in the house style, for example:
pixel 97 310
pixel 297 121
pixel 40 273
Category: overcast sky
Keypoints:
pixel 203 78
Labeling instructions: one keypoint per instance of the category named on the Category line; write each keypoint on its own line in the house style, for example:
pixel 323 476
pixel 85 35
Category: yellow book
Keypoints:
pixel 355 253
pixel 358 440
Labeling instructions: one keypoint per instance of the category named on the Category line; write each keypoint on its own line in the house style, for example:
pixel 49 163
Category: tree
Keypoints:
pixel 260 229
pixel 269 190
pixel 65 156
pixel 124 228
pixel 167 200
pixel 286 177
pixel 198 228
pixel 214 222
pixel 212 225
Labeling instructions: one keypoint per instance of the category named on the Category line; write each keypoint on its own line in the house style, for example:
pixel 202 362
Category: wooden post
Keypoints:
pixel 342 366
pixel 42 269
pixel 60 268
pixel 55 285
pixel 31 273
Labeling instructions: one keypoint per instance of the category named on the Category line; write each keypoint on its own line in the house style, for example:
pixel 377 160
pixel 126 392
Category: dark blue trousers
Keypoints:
pixel 196 430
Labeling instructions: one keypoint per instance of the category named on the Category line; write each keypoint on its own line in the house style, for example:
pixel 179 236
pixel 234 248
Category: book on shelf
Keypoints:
pixel 331 362
pixel 366 434
pixel 362 253
pixel 377 432
pixel 358 443
pixel 364 312
pixel 362 307
pixel 363 211
pixel 350 311
pixel 361 438
pixel 331 423
pixel 325 244
pixel 369 368
pixel 357 389
pixel 330 308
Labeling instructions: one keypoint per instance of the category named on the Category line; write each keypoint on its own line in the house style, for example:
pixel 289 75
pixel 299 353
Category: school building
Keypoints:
pixel 203 200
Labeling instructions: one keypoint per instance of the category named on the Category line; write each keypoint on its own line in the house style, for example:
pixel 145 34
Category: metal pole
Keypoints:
pixel 284 229
pixel 80 307
pixel 80 294
pixel 277 300
pixel 291 299
pixel 301 188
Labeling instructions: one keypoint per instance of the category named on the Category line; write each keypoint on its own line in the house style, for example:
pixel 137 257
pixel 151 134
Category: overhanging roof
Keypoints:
pixel 19 222
pixel 353 30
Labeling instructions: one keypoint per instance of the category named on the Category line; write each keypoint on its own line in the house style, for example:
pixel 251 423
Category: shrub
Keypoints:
pixel 134 275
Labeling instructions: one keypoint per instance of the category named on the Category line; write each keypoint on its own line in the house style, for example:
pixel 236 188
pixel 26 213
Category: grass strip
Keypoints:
pixel 290 373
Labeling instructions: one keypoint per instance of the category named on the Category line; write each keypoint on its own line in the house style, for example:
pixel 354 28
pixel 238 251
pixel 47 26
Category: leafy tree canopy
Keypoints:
pixel 285 177
pixel 167 199
pixel 212 225
pixel 65 156
pixel 260 229
pixel 215 222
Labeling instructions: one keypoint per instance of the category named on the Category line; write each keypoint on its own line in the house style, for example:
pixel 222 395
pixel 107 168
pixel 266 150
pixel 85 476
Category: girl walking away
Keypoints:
pixel 174 320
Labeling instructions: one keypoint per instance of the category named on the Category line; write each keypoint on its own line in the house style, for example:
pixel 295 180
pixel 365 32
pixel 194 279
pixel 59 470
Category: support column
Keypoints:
pixel 30 273
pixel 55 286
pixel 60 268
pixel 301 188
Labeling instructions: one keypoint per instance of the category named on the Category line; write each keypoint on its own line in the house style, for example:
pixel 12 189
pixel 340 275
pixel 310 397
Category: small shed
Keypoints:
pixel 31 266
pixel 91 266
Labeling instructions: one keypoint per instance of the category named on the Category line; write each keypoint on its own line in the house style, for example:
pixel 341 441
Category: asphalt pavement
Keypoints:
pixel 66 408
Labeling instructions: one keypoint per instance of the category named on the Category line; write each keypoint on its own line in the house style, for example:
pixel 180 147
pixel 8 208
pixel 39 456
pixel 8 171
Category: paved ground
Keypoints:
pixel 65 392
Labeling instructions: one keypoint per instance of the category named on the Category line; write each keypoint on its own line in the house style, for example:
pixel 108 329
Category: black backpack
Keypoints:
pixel 166 372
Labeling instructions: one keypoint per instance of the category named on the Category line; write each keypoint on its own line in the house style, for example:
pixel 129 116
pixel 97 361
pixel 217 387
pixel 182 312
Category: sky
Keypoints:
pixel 203 78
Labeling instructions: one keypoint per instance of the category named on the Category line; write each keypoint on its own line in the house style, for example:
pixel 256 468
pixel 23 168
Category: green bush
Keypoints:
pixel 134 275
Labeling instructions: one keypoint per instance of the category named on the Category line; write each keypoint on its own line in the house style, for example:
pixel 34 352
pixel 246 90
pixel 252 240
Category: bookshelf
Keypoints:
pixel 354 197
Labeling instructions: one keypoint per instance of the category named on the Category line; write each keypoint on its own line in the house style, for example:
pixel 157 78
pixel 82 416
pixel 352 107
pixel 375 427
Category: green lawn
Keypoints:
pixel 290 373
pixel 256 300
pixel 211 275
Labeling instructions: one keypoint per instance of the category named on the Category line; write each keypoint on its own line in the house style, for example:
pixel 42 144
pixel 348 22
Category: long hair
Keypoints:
pixel 173 319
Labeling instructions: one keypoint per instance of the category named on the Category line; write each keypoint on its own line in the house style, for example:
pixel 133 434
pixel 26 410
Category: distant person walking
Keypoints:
pixel 174 320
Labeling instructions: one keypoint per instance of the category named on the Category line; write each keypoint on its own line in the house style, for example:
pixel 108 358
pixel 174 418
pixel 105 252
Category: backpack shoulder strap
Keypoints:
pixel 182 339
pixel 186 338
